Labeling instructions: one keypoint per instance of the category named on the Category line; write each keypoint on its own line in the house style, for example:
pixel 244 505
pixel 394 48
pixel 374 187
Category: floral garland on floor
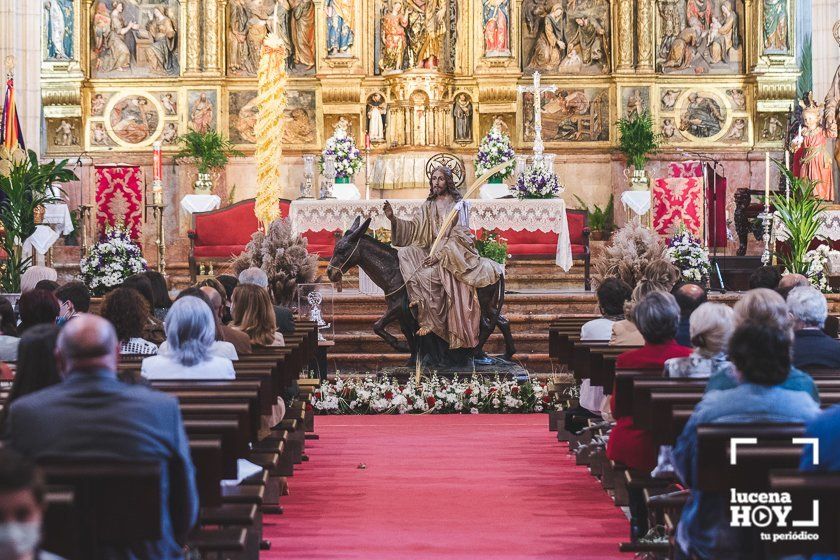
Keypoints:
pixel 112 260
pixel 688 255
pixel 435 395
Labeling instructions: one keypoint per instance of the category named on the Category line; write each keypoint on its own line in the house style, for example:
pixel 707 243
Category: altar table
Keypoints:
pixel 547 215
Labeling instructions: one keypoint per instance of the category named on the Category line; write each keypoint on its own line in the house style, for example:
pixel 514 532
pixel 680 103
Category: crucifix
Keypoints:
pixel 537 90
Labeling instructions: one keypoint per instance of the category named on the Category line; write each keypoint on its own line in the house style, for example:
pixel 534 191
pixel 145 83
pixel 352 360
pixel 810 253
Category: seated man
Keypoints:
pixel 442 285
pixel 789 282
pixel 761 354
pixel 812 348
pixel 91 414
pixel 765 277
pixel 689 297
pixel 74 298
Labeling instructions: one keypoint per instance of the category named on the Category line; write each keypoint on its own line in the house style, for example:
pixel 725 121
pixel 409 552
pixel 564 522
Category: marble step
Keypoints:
pixel 535 363
pixel 369 342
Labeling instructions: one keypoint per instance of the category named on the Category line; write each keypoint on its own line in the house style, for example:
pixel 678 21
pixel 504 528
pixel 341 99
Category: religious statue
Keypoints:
pixel 64 135
pixel 97 104
pixel 238 59
pixel 394 41
pixel 590 42
pixel 442 286
pixel 170 105
pixel 280 24
pixel 201 114
pixel 116 54
pixel 635 104
pixel 702 116
pixel 298 128
pixel 775 26
pixel 550 48
pixel 811 156
pixel 170 134
pixel 832 100
pixel 426 31
pixel 685 46
pixel 60 29
pixel 376 118
pixel 161 55
pixel 496 16
pixel 462 114
pixel 100 137
pixel 340 21
pixel 668 128
pixel 303 33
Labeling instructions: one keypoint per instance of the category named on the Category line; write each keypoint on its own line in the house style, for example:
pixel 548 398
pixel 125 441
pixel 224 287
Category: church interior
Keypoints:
pixel 485 278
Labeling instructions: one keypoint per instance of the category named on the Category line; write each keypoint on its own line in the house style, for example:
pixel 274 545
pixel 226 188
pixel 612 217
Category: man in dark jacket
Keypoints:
pixel 689 297
pixel 812 348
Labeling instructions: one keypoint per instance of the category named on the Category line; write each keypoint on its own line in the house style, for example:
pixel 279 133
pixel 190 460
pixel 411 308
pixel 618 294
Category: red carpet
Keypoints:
pixel 447 486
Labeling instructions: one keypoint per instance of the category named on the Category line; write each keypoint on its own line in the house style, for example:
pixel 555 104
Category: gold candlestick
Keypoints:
pixel 160 241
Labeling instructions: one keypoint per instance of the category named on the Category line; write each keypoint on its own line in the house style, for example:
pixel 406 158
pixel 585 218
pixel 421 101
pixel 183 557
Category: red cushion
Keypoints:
pixel 527 249
pixel 218 251
pixel 321 242
pixel 578 250
pixel 575 228
pixel 323 251
pixel 230 227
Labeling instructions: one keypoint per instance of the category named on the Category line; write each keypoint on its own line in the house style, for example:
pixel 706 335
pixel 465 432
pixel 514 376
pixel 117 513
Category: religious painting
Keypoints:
pixel 58 21
pixel 504 121
pixel 495 25
pixel 98 101
pixel 775 31
pixel 416 34
pixel 201 115
pixel 133 120
pixel 135 40
pixel 669 131
pixel 99 137
pixel 696 37
pixel 376 112
pixel 169 102
pixel 702 115
pixel 351 122
pixel 738 131
pixel 462 117
pixel 771 127
pixel 668 99
pixel 300 128
pixel 341 29
pixel 569 115
pixel 249 22
pixel 169 136
pixel 566 36
pixel 242 116
pixel 64 134
pixel 634 101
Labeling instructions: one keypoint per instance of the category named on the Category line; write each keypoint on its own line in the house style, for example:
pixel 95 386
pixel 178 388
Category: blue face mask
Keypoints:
pixel 18 539
pixel 60 320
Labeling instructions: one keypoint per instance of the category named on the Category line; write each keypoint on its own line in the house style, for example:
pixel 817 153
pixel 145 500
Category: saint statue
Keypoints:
pixel 550 48
pixel 442 286
pixel 427 27
pixel 162 55
pixel 496 33
pixel 811 156
pixel 201 114
pixel 775 26
pixel 462 114
pixel 339 26
pixel 394 40
pixel 376 122
pixel 303 32
pixel 832 100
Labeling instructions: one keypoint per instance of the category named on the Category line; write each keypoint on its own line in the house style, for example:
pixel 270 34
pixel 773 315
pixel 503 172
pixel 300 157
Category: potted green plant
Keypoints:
pixel 601 221
pixel 801 213
pixel 637 141
pixel 209 151
pixel 27 185
pixel 490 245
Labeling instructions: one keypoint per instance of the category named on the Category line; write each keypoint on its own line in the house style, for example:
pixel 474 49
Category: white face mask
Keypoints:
pixel 19 539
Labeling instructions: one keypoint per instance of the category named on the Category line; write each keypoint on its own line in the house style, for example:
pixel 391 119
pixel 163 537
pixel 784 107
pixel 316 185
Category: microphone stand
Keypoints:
pixel 710 162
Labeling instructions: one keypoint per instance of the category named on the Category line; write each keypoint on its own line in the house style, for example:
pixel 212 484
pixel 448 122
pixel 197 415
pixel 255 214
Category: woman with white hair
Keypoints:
pixel 190 333
pixel 710 327
pixel 34 274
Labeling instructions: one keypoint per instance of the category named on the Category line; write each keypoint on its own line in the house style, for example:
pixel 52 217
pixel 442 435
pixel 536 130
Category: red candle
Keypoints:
pixel 158 162
pixel 367 141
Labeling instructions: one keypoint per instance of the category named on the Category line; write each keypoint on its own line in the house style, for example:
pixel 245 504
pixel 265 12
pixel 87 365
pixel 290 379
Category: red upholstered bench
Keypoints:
pixel 542 245
pixel 219 235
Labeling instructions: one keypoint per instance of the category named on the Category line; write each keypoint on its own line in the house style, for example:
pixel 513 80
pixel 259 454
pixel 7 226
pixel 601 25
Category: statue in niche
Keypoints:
pixel 59 29
pixel 462 114
pixel 340 21
pixel 566 36
pixel 162 55
pixel 376 118
pixel 811 155
pixel 635 104
pixel 303 33
pixel 496 15
pixel 426 31
pixel 65 135
pixel 238 58
pixel 700 36
pixel 394 40
pixel 775 26
pixel 702 117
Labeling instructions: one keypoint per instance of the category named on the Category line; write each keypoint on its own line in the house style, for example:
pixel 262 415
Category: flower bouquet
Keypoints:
pixel 817 261
pixel 537 182
pixel 687 253
pixel 495 148
pixel 492 246
pixel 112 260
pixel 348 159
pixel 435 395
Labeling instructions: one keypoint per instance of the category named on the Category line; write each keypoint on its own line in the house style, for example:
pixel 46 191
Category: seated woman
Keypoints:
pixel 710 327
pixel 253 314
pixel 129 313
pixel 190 333
pixel 153 329
pixel 36 365
pixel 37 307
pixel 8 332
pixel 34 274
pixel 659 275
pixel 220 347
pixel 160 294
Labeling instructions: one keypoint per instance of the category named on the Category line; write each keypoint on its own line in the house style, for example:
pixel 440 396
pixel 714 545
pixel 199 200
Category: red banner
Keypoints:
pixel 677 200
pixel 119 198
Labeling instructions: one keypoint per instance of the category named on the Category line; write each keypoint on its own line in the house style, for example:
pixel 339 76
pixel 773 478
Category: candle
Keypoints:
pixel 367 141
pixel 158 162
pixel 767 178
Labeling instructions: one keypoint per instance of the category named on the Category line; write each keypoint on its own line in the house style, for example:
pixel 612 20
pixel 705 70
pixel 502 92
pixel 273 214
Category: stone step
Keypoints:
pixel 535 362
pixel 520 322
pixel 368 342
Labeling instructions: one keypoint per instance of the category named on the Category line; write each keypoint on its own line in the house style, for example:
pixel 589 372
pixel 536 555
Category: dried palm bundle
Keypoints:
pixel 284 258
pixel 632 249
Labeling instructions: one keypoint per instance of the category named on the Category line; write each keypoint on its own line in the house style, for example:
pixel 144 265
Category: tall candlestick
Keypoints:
pixel 157 172
pixel 767 176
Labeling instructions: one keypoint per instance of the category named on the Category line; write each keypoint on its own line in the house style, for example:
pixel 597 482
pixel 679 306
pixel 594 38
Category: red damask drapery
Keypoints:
pixel 119 197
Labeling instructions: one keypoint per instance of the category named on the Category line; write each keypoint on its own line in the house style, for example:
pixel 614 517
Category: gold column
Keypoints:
pixel 625 36
pixel 212 44
pixel 193 45
pixel 644 36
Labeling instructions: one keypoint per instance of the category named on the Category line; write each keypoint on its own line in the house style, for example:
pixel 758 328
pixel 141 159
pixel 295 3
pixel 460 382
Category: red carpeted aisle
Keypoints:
pixel 440 487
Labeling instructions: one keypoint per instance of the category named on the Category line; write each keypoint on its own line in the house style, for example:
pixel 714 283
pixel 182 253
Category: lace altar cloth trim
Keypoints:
pixel 829 230
pixel 505 214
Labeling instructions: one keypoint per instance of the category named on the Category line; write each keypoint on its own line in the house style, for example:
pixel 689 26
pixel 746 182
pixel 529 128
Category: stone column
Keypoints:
pixel 825 51
pixel 213 21
pixel 625 36
pixel 644 36
pixel 193 42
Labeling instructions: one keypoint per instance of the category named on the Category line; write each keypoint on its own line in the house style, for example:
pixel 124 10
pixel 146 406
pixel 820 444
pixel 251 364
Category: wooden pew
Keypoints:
pixel 804 487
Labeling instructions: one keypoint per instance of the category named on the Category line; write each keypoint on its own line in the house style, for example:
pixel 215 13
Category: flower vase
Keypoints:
pixel 342 180
pixel 638 179
pixel 496 179
pixel 204 184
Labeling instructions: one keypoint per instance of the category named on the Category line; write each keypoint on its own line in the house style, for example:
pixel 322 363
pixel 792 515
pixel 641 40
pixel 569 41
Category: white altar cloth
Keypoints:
pixel 192 203
pixel 59 216
pixel 547 215
pixel 830 228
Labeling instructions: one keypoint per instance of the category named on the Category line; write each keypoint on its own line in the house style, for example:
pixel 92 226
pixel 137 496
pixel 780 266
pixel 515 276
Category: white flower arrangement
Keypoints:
pixel 687 253
pixel 495 148
pixel 112 260
pixel 818 260
pixel 348 159
pixel 537 182
pixel 435 395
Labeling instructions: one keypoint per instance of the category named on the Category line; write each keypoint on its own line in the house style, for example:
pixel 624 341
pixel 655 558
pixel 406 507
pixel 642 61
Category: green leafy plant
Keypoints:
pixel 490 245
pixel 26 184
pixel 637 140
pixel 801 213
pixel 208 149
pixel 600 219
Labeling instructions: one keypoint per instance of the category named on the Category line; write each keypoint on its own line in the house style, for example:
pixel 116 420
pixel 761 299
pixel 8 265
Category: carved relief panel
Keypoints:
pixel 569 115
